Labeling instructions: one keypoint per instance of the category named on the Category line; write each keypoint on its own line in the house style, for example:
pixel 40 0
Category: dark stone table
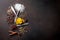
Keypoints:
pixel 43 18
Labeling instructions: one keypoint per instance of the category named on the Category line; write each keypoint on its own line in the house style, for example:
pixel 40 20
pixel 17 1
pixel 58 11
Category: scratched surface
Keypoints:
pixel 43 16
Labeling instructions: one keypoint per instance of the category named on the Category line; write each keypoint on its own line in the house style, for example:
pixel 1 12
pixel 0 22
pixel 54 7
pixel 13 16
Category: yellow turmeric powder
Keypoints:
pixel 19 21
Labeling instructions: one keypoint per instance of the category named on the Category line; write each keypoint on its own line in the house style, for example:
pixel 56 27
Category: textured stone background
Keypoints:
pixel 43 17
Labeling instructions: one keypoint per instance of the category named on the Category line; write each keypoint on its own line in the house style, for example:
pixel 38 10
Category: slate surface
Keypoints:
pixel 43 17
